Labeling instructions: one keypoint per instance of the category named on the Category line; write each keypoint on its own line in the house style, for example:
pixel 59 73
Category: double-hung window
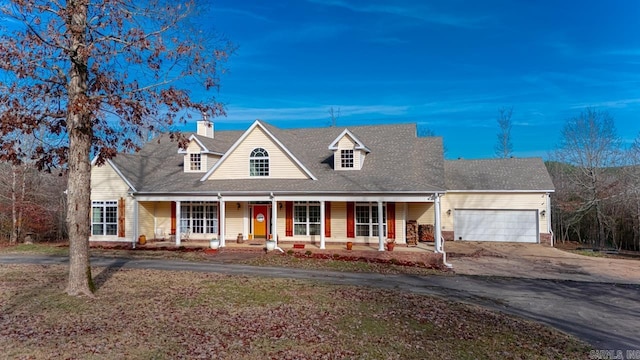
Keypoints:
pixel 346 159
pixel 367 219
pixel 259 162
pixel 104 218
pixel 195 162
pixel 306 218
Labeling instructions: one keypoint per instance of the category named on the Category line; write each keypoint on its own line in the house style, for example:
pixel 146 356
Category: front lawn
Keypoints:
pixel 166 315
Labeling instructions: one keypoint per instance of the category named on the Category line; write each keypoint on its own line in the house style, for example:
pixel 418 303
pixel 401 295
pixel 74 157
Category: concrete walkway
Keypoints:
pixel 606 315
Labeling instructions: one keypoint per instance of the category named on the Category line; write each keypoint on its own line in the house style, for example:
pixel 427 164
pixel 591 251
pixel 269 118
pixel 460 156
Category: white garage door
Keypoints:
pixel 496 225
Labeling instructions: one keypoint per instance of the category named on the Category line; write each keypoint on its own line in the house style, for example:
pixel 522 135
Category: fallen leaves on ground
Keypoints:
pixel 167 315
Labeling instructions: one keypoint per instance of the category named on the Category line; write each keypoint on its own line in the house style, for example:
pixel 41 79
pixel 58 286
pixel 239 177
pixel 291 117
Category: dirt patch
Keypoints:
pixel 538 261
pixel 475 254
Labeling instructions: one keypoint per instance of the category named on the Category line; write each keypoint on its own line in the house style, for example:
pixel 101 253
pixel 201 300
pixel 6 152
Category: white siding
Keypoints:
pixel 400 229
pixel 209 160
pixel 423 213
pixel 146 219
pixel 235 222
pixel 338 221
pixel 236 165
pixel 106 184
pixel 162 212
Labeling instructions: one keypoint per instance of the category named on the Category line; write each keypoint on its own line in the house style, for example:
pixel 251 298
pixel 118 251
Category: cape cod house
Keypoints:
pixel 366 184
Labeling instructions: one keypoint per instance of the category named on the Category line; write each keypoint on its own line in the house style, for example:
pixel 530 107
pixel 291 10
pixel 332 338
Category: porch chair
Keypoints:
pixel 159 235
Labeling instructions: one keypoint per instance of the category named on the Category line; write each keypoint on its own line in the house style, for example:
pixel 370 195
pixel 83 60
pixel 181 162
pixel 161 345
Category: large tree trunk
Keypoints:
pixel 14 205
pixel 80 138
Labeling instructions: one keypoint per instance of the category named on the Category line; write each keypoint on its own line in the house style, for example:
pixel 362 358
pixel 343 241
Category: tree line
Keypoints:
pixel 596 178
pixel 597 199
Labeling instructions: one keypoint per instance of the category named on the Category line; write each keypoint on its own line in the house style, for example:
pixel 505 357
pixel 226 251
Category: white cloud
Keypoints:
pixel 421 13
pixel 245 114
pixel 619 103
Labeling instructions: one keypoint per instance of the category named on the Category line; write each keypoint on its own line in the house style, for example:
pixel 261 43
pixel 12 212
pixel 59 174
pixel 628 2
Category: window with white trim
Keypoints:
pixel 104 218
pixel 346 158
pixel 195 163
pixel 367 219
pixel 259 162
pixel 306 218
pixel 198 217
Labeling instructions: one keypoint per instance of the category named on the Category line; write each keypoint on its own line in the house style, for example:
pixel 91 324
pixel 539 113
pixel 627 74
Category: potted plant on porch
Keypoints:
pixel 391 244
pixel 271 243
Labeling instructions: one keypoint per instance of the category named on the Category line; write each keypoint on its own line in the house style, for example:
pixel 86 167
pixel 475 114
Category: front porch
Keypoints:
pixel 369 222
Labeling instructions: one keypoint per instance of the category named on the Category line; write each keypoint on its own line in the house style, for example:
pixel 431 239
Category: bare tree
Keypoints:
pixel 590 148
pixel 632 177
pixel 83 68
pixel 424 131
pixel 504 146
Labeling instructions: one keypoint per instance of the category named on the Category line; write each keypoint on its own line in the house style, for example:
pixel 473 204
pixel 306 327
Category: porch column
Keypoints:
pixel 380 226
pixel 178 223
pixel 223 220
pixel 322 224
pixel 274 219
pixel 135 222
pixel 436 223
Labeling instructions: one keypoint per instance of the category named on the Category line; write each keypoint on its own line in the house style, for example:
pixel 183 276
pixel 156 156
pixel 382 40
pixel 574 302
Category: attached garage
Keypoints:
pixel 496 225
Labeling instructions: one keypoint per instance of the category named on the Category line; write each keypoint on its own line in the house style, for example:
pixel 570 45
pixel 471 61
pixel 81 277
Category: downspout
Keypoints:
pixel 438 229
pixel 549 229
pixel 444 254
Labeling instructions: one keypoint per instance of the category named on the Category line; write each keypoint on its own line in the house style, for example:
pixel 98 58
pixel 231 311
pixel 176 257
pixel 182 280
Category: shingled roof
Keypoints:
pixel 524 174
pixel 399 161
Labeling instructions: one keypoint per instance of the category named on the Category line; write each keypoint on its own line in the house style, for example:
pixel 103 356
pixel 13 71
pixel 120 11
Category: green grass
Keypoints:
pixel 44 249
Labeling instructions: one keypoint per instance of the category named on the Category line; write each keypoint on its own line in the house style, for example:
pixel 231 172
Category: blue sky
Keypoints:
pixel 447 65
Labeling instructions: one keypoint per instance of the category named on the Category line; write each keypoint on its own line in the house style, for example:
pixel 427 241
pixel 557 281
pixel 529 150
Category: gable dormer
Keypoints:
pixel 197 157
pixel 348 152
pixel 194 159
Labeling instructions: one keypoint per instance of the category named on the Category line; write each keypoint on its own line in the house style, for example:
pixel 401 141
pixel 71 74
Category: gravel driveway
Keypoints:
pixel 533 261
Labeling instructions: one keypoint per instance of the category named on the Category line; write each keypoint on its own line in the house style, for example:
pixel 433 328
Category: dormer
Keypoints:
pixel 194 159
pixel 197 157
pixel 348 152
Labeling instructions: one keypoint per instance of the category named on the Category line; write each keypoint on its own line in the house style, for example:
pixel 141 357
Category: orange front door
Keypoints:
pixel 260 221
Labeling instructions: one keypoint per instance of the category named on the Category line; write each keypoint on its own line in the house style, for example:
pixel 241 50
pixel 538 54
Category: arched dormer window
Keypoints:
pixel 259 162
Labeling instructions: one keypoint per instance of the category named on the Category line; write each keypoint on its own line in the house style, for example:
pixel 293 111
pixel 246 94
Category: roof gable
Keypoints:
pixel 195 140
pixel 282 158
pixel 117 171
pixel 359 145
